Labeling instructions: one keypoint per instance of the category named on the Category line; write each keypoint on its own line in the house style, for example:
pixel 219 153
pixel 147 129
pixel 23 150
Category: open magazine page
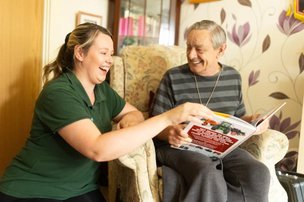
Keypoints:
pixel 267 115
pixel 219 136
pixel 222 134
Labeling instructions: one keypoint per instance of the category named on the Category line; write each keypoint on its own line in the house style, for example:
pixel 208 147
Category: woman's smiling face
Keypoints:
pixel 98 59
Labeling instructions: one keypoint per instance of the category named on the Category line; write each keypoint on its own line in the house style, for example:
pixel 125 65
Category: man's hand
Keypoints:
pixel 176 136
pixel 250 118
pixel 261 128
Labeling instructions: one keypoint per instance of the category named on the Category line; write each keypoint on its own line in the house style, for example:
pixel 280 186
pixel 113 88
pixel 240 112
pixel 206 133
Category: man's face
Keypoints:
pixel 202 57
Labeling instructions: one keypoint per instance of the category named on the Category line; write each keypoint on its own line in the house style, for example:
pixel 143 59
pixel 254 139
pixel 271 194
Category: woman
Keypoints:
pixel 71 128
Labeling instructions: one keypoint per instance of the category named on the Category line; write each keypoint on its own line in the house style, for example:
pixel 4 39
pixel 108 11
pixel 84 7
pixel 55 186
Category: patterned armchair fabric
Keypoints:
pixel 135 76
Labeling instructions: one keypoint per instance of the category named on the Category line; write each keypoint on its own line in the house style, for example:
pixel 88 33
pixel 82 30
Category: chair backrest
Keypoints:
pixel 136 73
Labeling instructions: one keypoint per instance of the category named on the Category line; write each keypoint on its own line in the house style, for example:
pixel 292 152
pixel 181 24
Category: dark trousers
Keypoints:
pixel 190 176
pixel 94 196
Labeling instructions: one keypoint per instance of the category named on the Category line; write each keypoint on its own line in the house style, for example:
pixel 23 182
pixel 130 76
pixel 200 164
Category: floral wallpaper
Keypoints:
pixel 267 47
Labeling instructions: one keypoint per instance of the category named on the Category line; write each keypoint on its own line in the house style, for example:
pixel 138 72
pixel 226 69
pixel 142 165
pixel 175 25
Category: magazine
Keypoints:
pixel 219 136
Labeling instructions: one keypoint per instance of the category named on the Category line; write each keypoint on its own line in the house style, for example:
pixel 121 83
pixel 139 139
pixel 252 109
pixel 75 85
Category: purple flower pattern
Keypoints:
pixel 253 78
pixel 284 125
pixel 289 25
pixel 241 36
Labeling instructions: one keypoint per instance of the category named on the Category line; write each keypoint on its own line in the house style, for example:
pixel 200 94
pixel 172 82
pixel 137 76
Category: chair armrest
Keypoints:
pixel 117 76
pixel 135 172
pixel 269 147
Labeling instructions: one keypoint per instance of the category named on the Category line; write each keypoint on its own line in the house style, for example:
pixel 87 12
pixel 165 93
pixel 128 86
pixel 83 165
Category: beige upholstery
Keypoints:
pixel 135 74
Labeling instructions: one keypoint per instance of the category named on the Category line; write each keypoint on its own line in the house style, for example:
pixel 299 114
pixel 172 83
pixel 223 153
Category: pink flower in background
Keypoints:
pixel 289 25
pixel 253 78
pixel 241 36
pixel 284 125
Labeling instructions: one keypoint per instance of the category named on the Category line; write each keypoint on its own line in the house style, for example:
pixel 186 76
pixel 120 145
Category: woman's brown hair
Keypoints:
pixel 83 35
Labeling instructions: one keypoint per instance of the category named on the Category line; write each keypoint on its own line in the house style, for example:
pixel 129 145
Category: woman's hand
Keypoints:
pixel 130 119
pixel 129 116
pixel 189 112
pixel 184 113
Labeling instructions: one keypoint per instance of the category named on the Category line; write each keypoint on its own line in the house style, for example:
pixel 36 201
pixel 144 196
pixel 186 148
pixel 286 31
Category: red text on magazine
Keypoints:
pixel 210 139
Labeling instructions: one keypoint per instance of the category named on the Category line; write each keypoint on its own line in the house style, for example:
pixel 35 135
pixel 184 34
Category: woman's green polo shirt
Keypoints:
pixel 47 167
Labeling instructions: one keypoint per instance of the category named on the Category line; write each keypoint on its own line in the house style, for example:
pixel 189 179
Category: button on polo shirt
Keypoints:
pixel 47 167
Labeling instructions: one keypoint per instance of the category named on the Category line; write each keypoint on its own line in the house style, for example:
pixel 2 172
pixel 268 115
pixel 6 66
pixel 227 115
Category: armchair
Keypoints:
pixel 135 76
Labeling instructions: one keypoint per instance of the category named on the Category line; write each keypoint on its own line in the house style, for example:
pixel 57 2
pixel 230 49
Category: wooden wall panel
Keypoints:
pixel 21 25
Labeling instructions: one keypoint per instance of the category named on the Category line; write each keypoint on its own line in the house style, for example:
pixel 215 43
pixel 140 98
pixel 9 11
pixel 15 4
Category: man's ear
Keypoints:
pixel 78 52
pixel 222 49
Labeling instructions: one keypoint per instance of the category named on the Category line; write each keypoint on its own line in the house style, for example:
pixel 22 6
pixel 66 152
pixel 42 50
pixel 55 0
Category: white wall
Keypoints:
pixel 60 19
